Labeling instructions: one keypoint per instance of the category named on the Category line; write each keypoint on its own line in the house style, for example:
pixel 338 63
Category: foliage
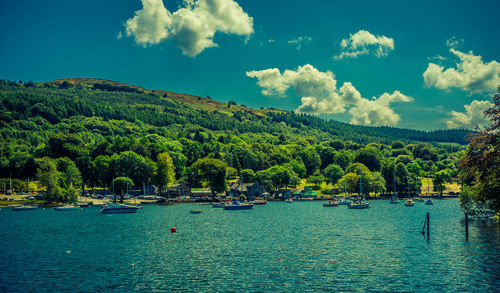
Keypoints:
pixel 214 172
pixel 121 185
pixel 165 172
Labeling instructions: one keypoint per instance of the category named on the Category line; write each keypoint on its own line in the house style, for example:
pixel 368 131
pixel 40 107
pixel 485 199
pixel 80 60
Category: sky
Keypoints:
pixel 411 64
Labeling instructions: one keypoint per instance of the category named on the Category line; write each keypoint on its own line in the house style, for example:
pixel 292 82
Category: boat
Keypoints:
pixel 344 201
pixel 218 205
pixel 420 199
pixel 260 202
pixel 238 205
pixel 429 202
pixel 68 207
pixel 359 203
pixel 289 200
pixel 331 203
pixel 195 211
pixel 394 198
pixel 409 202
pixel 25 208
pixel 119 208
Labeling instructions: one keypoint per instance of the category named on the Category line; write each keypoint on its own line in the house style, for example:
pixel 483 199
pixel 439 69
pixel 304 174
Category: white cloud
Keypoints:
pixel 319 95
pixel 271 80
pixel 300 41
pixel 453 42
pixel 472 117
pixel 377 111
pixel 149 25
pixel 471 74
pixel 364 43
pixel 192 27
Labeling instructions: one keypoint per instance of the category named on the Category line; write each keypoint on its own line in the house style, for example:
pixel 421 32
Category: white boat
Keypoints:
pixel 359 203
pixel 344 202
pixel 289 200
pixel 25 208
pixel 409 202
pixel 119 208
pixel 68 207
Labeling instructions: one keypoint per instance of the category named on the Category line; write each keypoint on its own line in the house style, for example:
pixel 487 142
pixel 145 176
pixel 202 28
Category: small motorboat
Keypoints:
pixel 195 211
pixel 394 200
pixel 24 208
pixel 238 205
pixel 359 204
pixel 420 199
pixel 260 202
pixel 118 208
pixel 68 207
pixel 409 202
pixel 289 200
pixel 331 203
pixel 218 205
pixel 429 202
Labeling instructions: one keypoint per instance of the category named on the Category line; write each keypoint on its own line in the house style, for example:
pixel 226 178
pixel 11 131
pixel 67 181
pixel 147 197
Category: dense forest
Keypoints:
pixel 70 131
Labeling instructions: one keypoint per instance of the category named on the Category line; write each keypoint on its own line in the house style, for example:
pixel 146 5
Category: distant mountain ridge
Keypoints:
pixel 64 98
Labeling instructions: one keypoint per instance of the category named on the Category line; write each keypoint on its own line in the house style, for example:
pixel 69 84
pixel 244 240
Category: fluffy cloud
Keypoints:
pixel 300 41
pixel 377 111
pixel 471 74
pixel 192 28
pixel 320 95
pixel 149 25
pixel 364 43
pixel 473 116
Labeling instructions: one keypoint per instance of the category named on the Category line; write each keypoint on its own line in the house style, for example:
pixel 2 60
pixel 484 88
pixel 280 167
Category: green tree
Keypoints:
pixel 280 176
pixel 333 173
pixel 121 185
pixel 248 175
pixel 311 160
pixel 214 172
pixel 316 179
pixel 49 176
pixel 70 174
pixel 370 157
pixel 165 172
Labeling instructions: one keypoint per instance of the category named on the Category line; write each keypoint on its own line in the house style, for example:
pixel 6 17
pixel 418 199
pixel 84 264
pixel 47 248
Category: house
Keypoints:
pixel 250 190
pixel 179 189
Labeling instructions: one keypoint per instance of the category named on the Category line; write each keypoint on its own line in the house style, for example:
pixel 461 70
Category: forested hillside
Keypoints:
pixel 95 130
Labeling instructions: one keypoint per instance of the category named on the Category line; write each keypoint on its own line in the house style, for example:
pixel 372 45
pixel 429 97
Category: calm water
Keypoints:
pixel 300 247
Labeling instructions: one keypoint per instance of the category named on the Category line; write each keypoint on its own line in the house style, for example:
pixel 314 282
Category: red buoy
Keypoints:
pixel 173 230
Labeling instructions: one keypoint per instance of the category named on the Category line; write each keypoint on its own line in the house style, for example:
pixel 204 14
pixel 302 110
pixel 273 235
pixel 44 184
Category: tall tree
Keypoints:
pixel 165 173
pixel 214 172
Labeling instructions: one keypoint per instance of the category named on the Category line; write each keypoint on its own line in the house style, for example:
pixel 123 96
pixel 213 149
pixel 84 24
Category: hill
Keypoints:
pixel 113 100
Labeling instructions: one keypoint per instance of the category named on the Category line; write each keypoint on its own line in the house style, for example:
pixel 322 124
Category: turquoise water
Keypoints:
pixel 299 247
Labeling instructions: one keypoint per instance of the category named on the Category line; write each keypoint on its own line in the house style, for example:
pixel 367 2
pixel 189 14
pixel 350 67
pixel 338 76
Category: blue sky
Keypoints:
pixel 361 62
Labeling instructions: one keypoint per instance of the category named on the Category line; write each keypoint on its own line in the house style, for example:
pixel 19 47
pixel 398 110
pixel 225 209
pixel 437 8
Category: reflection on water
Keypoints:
pixel 277 247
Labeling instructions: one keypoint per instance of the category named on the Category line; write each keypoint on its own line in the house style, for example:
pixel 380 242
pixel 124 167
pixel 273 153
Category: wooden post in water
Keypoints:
pixel 428 221
pixel 466 226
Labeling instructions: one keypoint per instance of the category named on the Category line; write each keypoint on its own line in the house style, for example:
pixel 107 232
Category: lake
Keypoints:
pixel 278 247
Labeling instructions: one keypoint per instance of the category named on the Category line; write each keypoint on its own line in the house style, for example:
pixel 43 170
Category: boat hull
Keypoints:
pixel 121 210
pixel 19 209
pixel 238 207
pixel 260 202
pixel 359 206
pixel 62 209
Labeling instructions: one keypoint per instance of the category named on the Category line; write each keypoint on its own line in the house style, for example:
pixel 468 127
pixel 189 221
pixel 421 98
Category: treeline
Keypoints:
pixel 83 134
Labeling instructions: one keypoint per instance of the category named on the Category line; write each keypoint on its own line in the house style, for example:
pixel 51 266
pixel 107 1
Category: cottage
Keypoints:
pixel 250 190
